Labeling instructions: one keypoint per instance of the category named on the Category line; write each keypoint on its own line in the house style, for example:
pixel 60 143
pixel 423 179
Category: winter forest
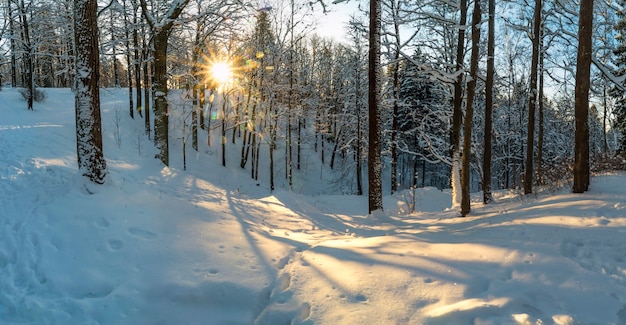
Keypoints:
pixel 373 144
pixel 451 80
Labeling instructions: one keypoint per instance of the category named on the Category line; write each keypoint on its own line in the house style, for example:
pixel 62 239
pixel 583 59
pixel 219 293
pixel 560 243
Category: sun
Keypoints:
pixel 221 72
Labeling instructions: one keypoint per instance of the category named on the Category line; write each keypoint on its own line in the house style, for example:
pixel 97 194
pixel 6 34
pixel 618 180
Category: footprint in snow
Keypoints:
pixel 103 223
pixel 115 244
pixel 143 234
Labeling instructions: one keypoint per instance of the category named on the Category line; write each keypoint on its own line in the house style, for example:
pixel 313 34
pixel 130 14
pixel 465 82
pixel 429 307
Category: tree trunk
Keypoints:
pixel 396 92
pixel 583 66
pixel 299 143
pixel 196 77
pixel 457 115
pixel 540 117
pixel 137 60
pixel 194 115
pixel 532 102
pixel 394 123
pixel 91 161
pixel 147 89
pixel 605 143
pixel 129 71
pixel 489 105
pixel 374 166
pixel 223 131
pixel 202 117
pixel 116 72
pixel 160 34
pixel 469 113
pixel 246 142
pixel 161 116
pixel 12 42
pixel 359 167
pixel 28 57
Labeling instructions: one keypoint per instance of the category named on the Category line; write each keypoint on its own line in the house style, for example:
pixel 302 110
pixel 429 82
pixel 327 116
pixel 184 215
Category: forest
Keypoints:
pixel 473 95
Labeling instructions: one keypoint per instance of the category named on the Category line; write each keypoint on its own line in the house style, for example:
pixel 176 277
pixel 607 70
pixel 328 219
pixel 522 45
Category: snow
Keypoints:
pixel 159 245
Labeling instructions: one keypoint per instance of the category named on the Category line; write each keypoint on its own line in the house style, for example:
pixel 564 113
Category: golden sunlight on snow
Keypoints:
pixel 467 304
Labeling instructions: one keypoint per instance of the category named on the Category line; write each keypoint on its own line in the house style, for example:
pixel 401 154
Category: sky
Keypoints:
pixel 208 245
pixel 333 24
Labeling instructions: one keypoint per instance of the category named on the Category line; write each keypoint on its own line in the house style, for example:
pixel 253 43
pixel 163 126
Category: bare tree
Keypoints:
pixel 161 30
pixel 583 78
pixel 469 112
pixel 532 102
pixel 457 115
pixel 489 104
pixel 91 161
pixel 374 167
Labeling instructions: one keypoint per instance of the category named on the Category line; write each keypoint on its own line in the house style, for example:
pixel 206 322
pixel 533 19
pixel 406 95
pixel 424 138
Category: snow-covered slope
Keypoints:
pixel 158 245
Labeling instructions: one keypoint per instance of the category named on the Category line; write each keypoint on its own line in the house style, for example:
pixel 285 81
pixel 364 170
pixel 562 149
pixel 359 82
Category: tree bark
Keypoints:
pixel 457 115
pixel 489 105
pixel 147 90
pixel 137 59
pixel 374 166
pixel 159 84
pixel 532 102
pixel 91 161
pixel 28 58
pixel 160 31
pixel 13 49
pixel 469 113
pixel 581 104
pixel 540 133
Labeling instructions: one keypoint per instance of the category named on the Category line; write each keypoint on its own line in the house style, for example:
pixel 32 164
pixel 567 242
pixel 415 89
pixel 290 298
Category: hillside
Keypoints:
pixel 159 245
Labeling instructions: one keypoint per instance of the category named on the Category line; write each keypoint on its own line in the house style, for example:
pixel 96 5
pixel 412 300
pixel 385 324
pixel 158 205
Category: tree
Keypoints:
pixel 29 78
pixel 91 161
pixel 532 102
pixel 581 102
pixel 489 105
pixel 469 112
pixel 161 30
pixel 423 120
pixel 457 115
pixel 396 15
pixel 374 166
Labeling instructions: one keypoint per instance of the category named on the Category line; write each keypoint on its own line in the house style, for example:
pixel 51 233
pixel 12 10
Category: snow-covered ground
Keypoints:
pixel 208 245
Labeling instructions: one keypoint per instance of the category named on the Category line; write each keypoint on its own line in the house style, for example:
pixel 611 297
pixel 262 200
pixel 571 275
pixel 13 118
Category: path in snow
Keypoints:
pixel 30 173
